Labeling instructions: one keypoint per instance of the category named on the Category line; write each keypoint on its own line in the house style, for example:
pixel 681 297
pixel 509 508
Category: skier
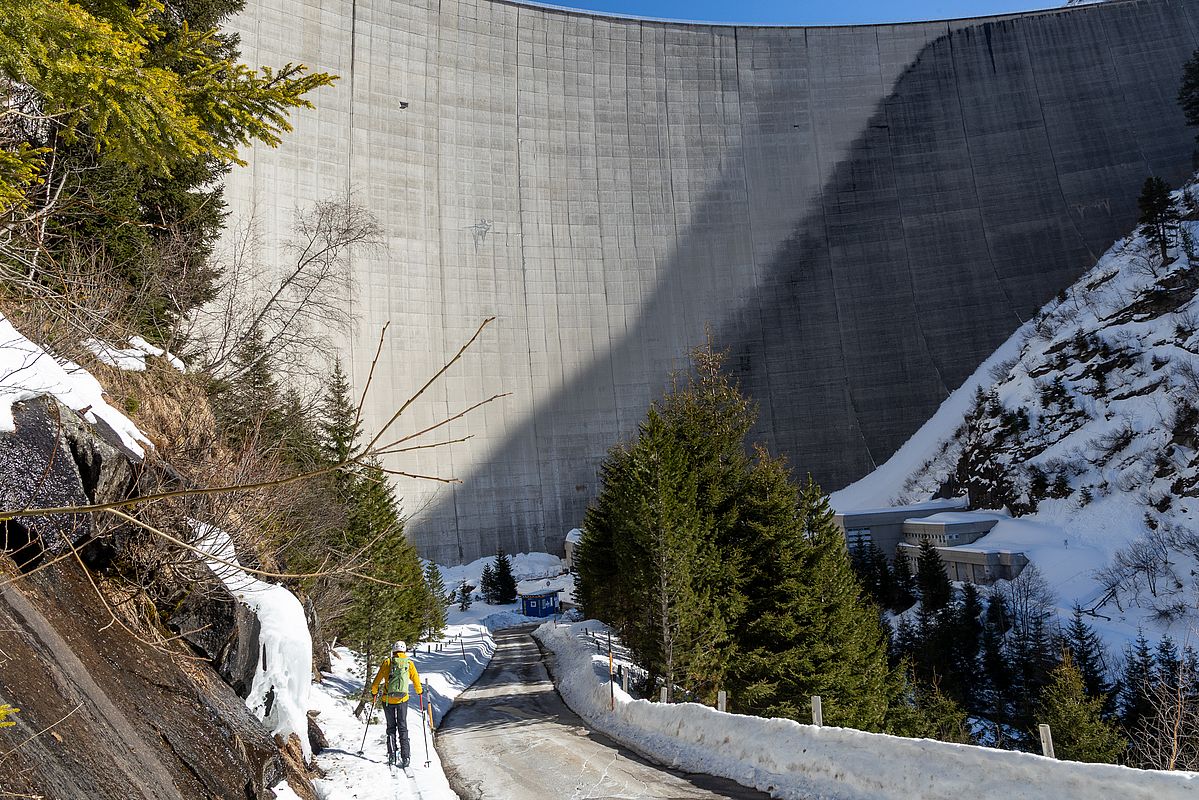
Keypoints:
pixel 395 675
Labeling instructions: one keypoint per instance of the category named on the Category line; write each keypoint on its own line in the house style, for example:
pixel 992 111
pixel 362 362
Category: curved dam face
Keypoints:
pixel 859 214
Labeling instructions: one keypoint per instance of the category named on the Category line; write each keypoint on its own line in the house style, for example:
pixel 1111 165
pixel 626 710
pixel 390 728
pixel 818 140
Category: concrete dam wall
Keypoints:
pixel 859 214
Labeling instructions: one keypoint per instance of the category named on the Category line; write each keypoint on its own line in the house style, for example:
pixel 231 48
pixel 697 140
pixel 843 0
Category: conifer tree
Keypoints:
pixel 340 427
pixel 1136 683
pixel 435 619
pixel 1158 215
pixel 922 710
pixel 935 589
pixel 505 583
pixel 904 584
pixel 464 596
pixel 394 604
pixel 997 670
pixel 1079 731
pixel 836 648
pixel 1086 656
pixel 487 586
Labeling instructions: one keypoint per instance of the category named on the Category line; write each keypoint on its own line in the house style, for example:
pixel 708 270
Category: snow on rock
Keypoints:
pixel 283 791
pixel 279 693
pixel 791 760
pixel 133 357
pixel 28 371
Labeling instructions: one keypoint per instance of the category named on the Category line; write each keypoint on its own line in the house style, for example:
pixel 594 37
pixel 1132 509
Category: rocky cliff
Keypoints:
pixel 121 694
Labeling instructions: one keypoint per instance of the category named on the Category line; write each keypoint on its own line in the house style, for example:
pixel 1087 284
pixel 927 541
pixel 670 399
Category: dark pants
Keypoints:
pixel 397 718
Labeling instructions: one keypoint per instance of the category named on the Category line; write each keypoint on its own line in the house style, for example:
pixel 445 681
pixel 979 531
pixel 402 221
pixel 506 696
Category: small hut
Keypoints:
pixel 539 602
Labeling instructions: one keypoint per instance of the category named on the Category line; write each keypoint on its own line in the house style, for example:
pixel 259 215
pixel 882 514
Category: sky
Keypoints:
pixel 807 12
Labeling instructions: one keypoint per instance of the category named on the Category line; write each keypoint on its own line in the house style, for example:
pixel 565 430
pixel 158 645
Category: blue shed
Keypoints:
pixel 542 603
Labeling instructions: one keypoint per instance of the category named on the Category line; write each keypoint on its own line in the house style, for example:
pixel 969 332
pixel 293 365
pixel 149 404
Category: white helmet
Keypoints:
pixel 399 647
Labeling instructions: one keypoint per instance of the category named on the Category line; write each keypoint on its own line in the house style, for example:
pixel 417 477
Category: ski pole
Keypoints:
pixel 369 714
pixel 424 734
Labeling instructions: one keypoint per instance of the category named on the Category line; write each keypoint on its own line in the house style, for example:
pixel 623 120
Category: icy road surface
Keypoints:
pixel 510 737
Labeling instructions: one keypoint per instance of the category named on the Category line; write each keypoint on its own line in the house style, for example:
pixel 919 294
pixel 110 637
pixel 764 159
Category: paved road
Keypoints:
pixel 510 737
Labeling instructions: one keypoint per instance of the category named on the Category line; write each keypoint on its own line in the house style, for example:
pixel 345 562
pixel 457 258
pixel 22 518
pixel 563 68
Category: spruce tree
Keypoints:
pixel 505 583
pixel 340 427
pixel 935 589
pixel 1136 683
pixel 390 602
pixel 997 669
pixel 464 596
pixel 904 584
pixel 834 646
pixel 1158 215
pixel 487 586
pixel 1086 655
pixel 1076 718
pixel 435 619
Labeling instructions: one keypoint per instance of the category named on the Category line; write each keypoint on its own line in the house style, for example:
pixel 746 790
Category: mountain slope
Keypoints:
pixel 1084 427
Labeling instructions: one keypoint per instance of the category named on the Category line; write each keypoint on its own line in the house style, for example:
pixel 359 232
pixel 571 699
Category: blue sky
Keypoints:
pixel 808 12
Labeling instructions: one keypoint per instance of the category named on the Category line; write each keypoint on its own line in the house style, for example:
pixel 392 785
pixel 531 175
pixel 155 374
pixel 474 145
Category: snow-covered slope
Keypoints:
pixel 1084 427
pixel 27 371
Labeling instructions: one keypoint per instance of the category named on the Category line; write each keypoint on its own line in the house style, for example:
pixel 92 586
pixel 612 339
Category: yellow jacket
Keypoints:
pixel 383 673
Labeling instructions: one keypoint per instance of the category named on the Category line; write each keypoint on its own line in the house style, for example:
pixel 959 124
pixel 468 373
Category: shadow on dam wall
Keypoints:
pixel 1002 162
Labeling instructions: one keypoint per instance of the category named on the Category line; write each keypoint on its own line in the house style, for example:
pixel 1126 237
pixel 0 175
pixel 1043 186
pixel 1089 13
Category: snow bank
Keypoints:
pixel 28 371
pixel 525 566
pixel 279 692
pixel 791 760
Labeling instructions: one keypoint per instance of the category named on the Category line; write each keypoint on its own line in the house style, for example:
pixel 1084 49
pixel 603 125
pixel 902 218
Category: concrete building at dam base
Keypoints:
pixel 859 214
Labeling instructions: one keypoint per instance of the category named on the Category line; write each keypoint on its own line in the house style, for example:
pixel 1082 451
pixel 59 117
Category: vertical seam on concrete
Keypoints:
pixel 1132 134
pixel 1057 176
pixel 599 217
pixel 749 214
pixel 524 271
pixel 820 198
pixel 664 278
pixel 978 201
pixel 350 177
pixel 885 93
pixel 441 248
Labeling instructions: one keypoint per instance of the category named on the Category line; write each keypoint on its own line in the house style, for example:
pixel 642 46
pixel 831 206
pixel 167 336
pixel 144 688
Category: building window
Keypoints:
pixel 857 536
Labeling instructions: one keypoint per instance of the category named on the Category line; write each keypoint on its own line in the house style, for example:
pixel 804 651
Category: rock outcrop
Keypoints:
pixel 103 713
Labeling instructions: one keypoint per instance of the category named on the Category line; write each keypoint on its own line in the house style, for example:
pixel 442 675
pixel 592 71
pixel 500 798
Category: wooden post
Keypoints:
pixel 721 700
pixel 611 682
pixel 463 643
pixel 663 694
pixel 625 682
pixel 1046 741
pixel 817 711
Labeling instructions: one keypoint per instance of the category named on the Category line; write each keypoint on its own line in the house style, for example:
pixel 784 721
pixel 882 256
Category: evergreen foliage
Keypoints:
pixel 1086 656
pixel 1080 733
pixel 1158 216
pixel 435 617
pixel 128 116
pixel 931 580
pixel 391 600
pixel 464 596
pixel 1188 91
pixel 487 587
pixel 505 583
pixel 1135 684
pixel 719 573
